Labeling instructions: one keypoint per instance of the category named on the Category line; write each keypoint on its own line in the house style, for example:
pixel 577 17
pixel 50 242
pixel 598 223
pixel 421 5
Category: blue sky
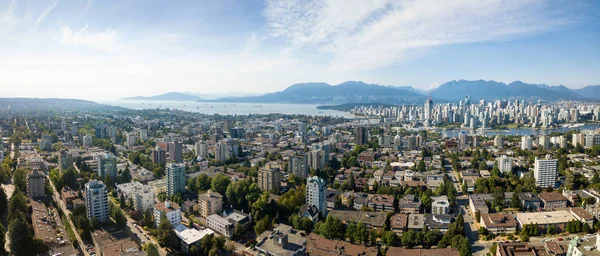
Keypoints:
pixel 103 50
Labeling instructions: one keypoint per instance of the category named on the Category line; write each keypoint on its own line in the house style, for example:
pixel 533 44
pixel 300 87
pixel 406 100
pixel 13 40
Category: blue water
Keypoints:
pixel 224 108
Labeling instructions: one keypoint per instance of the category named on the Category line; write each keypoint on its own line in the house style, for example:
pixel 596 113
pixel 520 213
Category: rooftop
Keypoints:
pixel 541 218
pixel 392 251
pixel 191 235
pixel 375 219
pixel 552 196
pixel 320 246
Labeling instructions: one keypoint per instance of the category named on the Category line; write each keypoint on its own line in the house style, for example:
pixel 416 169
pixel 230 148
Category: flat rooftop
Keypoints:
pixel 542 218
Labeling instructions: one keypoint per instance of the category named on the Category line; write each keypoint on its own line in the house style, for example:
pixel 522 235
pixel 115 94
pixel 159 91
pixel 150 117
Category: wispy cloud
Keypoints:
pixel 106 40
pixel 46 11
pixel 8 21
pixel 371 34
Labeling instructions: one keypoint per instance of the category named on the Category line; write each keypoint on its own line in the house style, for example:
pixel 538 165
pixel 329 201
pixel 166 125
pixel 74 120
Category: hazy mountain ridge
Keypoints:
pixel 170 96
pixel 360 92
pixel 492 90
pixel 323 93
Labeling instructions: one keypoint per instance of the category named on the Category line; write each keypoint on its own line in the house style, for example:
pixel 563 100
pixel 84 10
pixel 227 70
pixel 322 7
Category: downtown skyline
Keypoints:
pixel 107 50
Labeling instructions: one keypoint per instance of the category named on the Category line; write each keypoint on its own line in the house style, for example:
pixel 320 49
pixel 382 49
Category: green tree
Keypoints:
pixel 219 183
pixel 151 249
pixel 408 239
pixel 332 228
pixel 165 234
pixel 2 239
pixel 20 180
pixel 17 207
pixel 515 202
pixel 262 225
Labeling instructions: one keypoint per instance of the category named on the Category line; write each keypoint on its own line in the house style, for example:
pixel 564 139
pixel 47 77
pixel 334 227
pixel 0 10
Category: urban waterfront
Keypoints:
pixel 225 108
pixel 453 133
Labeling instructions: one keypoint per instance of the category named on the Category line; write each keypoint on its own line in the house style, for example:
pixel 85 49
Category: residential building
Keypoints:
pixel 202 149
pixel 394 251
pixel 269 178
pixel 107 165
pixel 65 160
pixel 498 141
pixel 529 201
pixel 210 203
pixel 505 164
pixel 361 135
pixel 175 178
pixel 582 215
pixel 498 223
pixel 220 225
pixel 189 237
pixel 159 156
pixel 221 152
pixel 543 220
pixel 143 199
pixel 282 241
pixel 299 165
pixel 46 143
pixel 320 246
pixel 87 141
pixel 410 204
pixel 36 184
pixel 381 203
pixel 370 219
pixel 309 211
pixel 440 205
pixel 315 193
pixel 175 152
pixel 515 249
pixel 553 200
pixel 545 172
pixel 526 143
pixel 398 223
pixel 96 201
pixel 169 210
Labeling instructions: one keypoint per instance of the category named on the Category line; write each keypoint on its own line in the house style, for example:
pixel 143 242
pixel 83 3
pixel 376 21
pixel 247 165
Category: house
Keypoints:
pixel 498 223
pixel 553 200
pixel 309 211
pixel 416 221
pixel 554 249
pixel 440 222
pixel 409 204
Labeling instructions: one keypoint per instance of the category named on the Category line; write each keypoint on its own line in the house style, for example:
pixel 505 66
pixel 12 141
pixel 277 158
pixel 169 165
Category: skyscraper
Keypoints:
pixel 175 178
pixel 360 135
pixel 498 141
pixel 545 172
pixel 65 161
pixel 316 193
pixel 175 152
pixel 427 109
pixel 96 200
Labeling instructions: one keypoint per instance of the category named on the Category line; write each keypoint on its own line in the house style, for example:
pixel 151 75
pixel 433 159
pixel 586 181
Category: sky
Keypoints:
pixel 110 49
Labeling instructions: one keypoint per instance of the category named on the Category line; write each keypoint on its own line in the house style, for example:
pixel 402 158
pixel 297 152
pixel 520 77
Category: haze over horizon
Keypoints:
pixel 103 50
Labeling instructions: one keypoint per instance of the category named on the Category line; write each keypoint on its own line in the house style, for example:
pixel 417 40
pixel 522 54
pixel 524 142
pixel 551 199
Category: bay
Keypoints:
pixel 225 108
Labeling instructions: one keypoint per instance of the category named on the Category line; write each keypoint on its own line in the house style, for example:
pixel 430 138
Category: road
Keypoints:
pixel 144 235
pixel 66 212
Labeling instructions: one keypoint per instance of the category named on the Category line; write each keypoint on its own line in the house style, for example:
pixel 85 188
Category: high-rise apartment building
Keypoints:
pixel 361 136
pixel 221 152
pixel 159 156
pixel 299 165
pixel 65 160
pixel 175 178
pixel 202 149
pixel 498 141
pixel 175 152
pixel 545 172
pixel 526 143
pixel 96 200
pixel 316 193
pixel 35 184
pixel 210 203
pixel 505 164
pixel 107 164
pixel 269 178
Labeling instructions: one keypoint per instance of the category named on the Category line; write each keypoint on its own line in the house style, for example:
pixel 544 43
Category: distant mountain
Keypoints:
pixel 52 104
pixel 213 96
pixel 591 92
pixel 171 96
pixel 491 90
pixel 347 92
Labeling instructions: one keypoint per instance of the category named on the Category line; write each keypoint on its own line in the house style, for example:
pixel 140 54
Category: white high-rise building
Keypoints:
pixel 143 199
pixel 544 141
pixel 545 172
pixel 107 165
pixel 526 142
pixel 168 210
pixel 578 139
pixel 87 141
pixel 427 109
pixel 221 152
pixel 316 193
pixel 499 141
pixel 505 164
pixel 96 200
pixel 175 178
pixel 201 149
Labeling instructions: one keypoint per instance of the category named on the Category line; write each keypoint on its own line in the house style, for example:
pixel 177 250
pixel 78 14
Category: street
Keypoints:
pixel 66 212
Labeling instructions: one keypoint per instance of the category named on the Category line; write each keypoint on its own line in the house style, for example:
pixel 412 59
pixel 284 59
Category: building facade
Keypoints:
pixel 545 172
pixel 96 201
pixel 175 178
pixel 315 194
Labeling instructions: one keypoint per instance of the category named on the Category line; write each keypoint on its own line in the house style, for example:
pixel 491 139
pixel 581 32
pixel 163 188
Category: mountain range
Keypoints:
pixel 360 92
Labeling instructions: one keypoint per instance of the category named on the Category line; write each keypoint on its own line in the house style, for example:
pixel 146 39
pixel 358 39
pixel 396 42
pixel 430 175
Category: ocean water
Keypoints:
pixel 225 108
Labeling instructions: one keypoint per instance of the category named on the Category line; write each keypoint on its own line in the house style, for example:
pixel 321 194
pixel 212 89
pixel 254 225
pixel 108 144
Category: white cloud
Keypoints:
pixel 46 11
pixel 103 40
pixel 8 21
pixel 370 34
